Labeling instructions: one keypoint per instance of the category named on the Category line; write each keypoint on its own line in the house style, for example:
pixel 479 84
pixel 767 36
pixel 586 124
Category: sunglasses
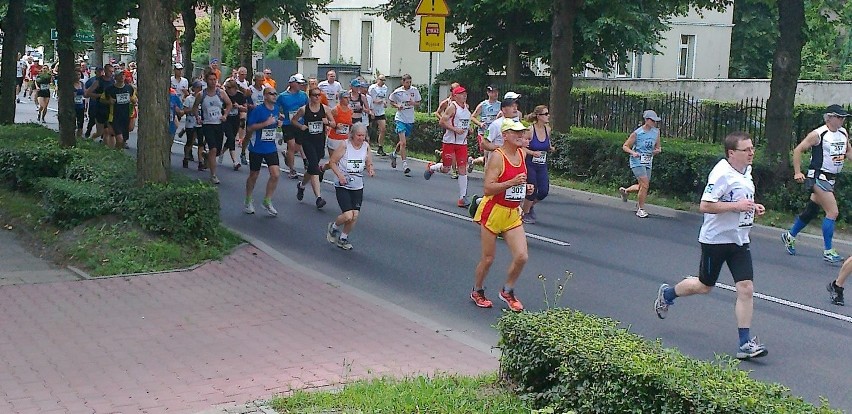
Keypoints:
pixel 544 114
pixel 272 93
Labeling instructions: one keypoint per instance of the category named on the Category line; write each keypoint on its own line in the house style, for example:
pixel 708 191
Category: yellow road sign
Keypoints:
pixel 265 29
pixel 432 33
pixel 432 8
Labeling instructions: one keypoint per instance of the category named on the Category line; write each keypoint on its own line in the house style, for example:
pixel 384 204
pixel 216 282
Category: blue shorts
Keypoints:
pixel 641 171
pixel 404 128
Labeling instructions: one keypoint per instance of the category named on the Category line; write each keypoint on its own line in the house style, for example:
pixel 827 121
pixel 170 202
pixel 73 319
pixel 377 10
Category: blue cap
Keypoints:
pixel 198 84
pixel 364 84
pixel 355 83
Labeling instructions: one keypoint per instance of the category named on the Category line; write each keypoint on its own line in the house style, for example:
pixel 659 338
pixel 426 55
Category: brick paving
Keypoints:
pixel 183 342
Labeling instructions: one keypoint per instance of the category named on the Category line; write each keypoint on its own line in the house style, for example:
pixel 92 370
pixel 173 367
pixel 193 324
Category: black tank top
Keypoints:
pixel 316 128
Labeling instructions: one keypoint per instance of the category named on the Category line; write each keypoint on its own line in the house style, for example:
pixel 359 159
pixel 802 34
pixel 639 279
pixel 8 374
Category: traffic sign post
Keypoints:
pixel 80 36
pixel 432 8
pixel 433 15
pixel 265 28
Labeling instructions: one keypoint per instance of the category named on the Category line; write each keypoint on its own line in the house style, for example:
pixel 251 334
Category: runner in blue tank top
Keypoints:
pixel 536 160
pixel 642 145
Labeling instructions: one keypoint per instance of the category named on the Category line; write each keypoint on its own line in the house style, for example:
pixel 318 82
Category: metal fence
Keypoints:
pixel 683 116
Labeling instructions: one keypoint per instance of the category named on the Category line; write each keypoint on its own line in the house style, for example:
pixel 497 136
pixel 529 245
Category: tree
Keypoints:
pixel 13 37
pixel 156 36
pixel 786 65
pixel 103 17
pixel 187 12
pixel 65 48
pixel 562 62
pixel 755 31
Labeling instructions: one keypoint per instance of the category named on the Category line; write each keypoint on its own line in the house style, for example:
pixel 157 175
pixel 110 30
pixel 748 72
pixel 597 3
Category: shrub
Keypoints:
pixel 571 361
pixel 29 152
pixel 191 213
pixel 69 202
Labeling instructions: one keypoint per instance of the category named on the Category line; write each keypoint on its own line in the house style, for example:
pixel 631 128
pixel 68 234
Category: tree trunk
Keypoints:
pixel 65 49
pixel 156 37
pixel 13 30
pixel 98 31
pixel 247 12
pixel 786 66
pixel 562 62
pixel 513 64
pixel 189 25
pixel 216 36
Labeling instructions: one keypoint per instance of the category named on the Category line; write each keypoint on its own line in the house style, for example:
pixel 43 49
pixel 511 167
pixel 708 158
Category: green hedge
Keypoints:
pixel 69 202
pixel 567 360
pixel 28 153
pixel 192 210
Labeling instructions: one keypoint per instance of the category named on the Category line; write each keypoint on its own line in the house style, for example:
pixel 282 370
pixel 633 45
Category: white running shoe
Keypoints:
pixel 641 213
pixel 249 208
pixel 214 179
pixel 270 209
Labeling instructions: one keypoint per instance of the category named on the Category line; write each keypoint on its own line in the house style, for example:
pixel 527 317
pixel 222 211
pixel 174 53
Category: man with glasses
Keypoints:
pixel 267 78
pixel 290 101
pixel 830 147
pixel 729 210
pixel 262 123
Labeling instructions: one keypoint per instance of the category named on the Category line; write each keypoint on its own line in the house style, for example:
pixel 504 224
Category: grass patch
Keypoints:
pixel 106 245
pixel 440 394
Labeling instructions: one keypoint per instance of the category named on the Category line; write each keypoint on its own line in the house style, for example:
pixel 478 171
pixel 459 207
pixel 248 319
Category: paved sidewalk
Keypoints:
pixel 19 266
pixel 222 335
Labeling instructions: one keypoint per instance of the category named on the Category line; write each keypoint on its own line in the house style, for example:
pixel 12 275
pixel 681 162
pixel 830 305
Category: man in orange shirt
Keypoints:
pixel 214 67
pixel 267 77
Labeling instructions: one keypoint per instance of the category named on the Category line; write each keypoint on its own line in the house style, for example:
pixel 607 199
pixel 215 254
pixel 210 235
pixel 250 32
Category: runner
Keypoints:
pixel 262 123
pixel 268 79
pixel 484 114
pixel 830 147
pixel 442 106
pixel 231 127
pixel 178 82
pixel 93 103
pixel 314 83
pixel 349 161
pixel 316 118
pixel 536 160
pixel 193 128
pixel 290 101
pixel 729 210
pixel 358 102
pixel 35 71
pixel 642 145
pixel 379 92
pixel 241 80
pixel 456 122
pixel 404 99
pixel 43 81
pixel 96 90
pixel 79 104
pixel 331 88
pixel 122 98
pixel 214 67
pixel 20 74
pixel 499 214
pixel 254 98
pixel 215 105
pixel 337 136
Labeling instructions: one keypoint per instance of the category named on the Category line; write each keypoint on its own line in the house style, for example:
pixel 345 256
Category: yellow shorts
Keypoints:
pixel 497 218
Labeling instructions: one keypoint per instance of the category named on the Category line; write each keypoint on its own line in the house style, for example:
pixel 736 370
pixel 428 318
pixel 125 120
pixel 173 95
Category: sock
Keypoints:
pixel 798 225
pixel 744 335
pixel 404 164
pixel 838 289
pixel 436 167
pixel 344 236
pixel 462 186
pixel 827 232
pixel 669 295
pixel 267 200
pixel 334 226
pixel 508 289
pixel 248 199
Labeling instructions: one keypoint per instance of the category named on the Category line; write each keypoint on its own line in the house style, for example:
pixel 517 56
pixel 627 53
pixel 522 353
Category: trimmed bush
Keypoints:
pixel 28 153
pixel 567 360
pixel 183 209
pixel 69 202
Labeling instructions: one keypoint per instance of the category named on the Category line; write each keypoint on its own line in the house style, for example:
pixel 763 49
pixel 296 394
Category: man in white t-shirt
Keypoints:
pixel 379 94
pixel 331 88
pixel 404 99
pixel 178 82
pixel 729 211
pixel 20 74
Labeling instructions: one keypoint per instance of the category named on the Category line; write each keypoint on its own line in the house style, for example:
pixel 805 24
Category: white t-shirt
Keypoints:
pixel 406 98
pixel 365 117
pixel 727 185
pixel 181 86
pixel 331 90
pixel 22 68
pixel 378 94
pixel 494 134
pixel 244 84
pixel 189 119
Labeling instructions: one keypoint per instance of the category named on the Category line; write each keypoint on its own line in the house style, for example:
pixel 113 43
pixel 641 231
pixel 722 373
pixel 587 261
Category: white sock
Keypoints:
pixel 404 164
pixel 334 226
pixel 462 185
pixel 436 167
pixel 343 236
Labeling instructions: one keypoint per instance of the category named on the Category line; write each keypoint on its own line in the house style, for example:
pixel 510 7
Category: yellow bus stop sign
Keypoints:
pixel 432 33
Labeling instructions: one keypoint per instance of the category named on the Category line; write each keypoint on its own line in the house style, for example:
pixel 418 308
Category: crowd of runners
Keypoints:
pixel 323 120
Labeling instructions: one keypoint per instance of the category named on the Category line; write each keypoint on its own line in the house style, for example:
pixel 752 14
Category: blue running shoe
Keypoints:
pixel 789 243
pixel 831 256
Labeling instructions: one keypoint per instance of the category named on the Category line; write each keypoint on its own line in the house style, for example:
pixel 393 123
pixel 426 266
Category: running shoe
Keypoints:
pixel 243 159
pixel 237 166
pixel 474 204
pixel 344 244
pixel 463 202
pixel 293 175
pixel 220 159
pixel 300 191
pixel 380 150
pixel 332 234
pixel 201 166
pixel 454 174
pixel 322 171
pixel 214 179
pixel 478 297
pixel 831 256
pixel 789 243
pixel 185 163
pixel 469 165
pixel 509 297
pixel 428 173
pixel 407 172
pixel 527 219
pixel 320 202
pixel 641 213
pixel 249 208
pixel 532 213
pixel 661 305
pixel 835 293
pixel 393 159
pixel 623 192
pixel 751 349
pixel 269 209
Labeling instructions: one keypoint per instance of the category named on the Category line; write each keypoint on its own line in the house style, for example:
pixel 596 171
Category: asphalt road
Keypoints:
pixel 414 247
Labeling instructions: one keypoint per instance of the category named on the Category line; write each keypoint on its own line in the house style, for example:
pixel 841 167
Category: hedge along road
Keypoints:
pixel 415 248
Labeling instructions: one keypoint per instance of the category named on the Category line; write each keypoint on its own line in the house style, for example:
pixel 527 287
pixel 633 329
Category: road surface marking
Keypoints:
pixel 466 218
pixel 791 304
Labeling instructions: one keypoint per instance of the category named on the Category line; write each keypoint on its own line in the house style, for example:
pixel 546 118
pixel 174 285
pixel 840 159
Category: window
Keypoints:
pixel 334 41
pixel 366 46
pixel 686 59
pixel 625 69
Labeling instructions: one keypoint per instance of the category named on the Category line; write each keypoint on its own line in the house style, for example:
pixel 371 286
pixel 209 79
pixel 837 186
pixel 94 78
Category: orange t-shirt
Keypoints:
pixel 269 81
pixel 343 119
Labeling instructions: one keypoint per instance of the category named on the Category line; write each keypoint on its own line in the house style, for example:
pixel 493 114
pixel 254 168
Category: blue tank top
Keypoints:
pixel 78 98
pixel 541 146
pixel 644 145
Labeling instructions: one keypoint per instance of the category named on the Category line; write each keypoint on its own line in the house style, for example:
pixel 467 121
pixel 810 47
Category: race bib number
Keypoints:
pixel 122 98
pixel 541 159
pixel 78 99
pixel 407 105
pixel 645 159
pixel 267 134
pixel 342 129
pixel 746 218
pixel 837 151
pixel 516 192
pixel 464 123
pixel 354 166
pixel 214 112
pixel 315 127
pixel 44 86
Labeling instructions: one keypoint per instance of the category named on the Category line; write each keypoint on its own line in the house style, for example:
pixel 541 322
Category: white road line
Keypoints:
pixel 791 304
pixel 466 218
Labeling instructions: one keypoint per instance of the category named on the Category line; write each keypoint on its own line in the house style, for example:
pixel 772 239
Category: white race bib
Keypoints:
pixel 122 98
pixel 315 127
pixel 746 218
pixel 78 99
pixel 516 192
pixel 541 159
pixel 464 123
pixel 44 86
pixel 645 159
pixel 214 112
pixel 354 166
pixel 342 129
pixel 267 134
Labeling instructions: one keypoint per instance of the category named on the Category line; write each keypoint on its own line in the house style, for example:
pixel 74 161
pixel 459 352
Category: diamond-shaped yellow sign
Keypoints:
pixel 265 29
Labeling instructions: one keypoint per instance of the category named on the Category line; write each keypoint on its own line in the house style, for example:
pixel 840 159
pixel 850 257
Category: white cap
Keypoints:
pixel 178 65
pixel 511 95
pixel 649 114
pixel 298 78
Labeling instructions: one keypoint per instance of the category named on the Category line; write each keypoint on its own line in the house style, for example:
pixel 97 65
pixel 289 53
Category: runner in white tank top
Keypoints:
pixel 456 120
pixel 349 162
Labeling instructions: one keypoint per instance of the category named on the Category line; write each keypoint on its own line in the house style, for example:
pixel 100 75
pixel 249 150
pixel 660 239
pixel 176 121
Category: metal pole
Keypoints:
pixel 264 55
pixel 429 97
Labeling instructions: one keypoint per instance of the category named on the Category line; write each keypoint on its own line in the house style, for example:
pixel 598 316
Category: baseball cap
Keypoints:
pixel 458 90
pixel 343 94
pixel 505 103
pixel 836 110
pixel 492 87
pixel 650 114
pixel 198 84
pixel 511 95
pixel 364 84
pixel 214 60
pixel 298 78
pixel 178 65
pixel 511 124
pixel 355 83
